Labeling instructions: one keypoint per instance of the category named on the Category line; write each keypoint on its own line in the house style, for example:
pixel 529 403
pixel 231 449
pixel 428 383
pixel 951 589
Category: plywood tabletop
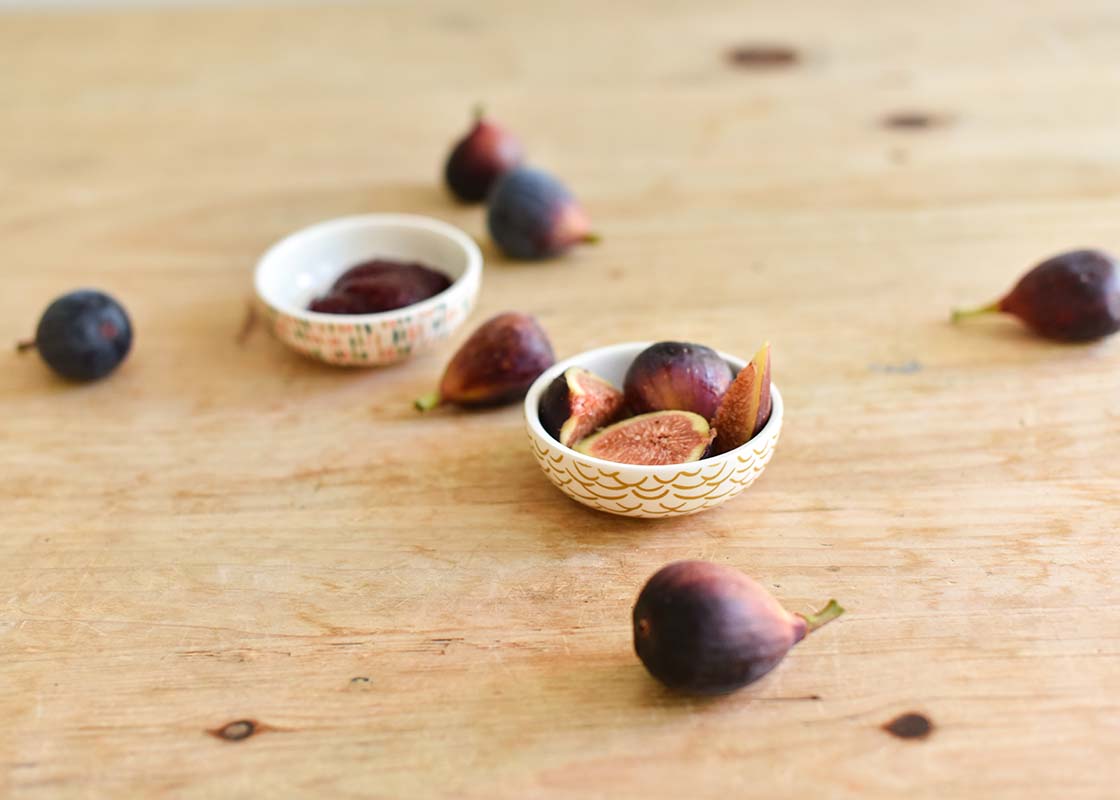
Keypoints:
pixel 403 606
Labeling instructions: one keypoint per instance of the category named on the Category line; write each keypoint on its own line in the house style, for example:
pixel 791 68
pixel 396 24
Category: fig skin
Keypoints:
pixel 677 376
pixel 426 279
pixel 380 285
pixel 578 403
pixel 482 156
pixel 705 628
pixel 654 439
pixel 495 366
pixel 531 216
pixel 1070 297
pixel 745 408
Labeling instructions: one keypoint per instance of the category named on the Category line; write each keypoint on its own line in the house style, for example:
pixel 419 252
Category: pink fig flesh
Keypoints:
pixel 532 215
pixel 661 437
pixel 577 404
pixel 745 408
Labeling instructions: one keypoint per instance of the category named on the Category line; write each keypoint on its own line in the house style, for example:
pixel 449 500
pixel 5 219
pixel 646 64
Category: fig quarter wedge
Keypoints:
pixel 745 408
pixel 577 404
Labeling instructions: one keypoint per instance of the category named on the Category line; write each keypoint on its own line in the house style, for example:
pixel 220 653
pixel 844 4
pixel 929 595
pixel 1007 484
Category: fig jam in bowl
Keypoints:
pixel 638 490
pixel 304 266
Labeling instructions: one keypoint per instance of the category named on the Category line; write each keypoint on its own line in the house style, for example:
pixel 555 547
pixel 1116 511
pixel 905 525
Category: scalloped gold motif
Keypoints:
pixel 686 491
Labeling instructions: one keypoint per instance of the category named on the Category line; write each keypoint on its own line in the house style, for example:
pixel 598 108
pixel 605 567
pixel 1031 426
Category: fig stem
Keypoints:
pixel 478 111
pixel 592 238
pixel 965 313
pixel 428 402
pixel 247 324
pixel 822 617
pixel 23 345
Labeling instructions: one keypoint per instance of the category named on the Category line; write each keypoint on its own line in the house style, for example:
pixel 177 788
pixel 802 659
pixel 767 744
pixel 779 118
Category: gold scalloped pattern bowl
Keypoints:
pixel 633 490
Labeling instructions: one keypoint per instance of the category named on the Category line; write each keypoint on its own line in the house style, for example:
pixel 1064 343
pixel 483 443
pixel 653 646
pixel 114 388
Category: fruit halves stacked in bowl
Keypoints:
pixel 679 403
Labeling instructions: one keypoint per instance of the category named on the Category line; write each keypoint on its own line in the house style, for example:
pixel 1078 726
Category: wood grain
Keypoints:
pixel 404 607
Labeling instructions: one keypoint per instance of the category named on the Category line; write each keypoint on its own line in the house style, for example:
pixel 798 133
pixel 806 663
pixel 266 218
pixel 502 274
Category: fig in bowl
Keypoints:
pixel 369 290
pixel 590 472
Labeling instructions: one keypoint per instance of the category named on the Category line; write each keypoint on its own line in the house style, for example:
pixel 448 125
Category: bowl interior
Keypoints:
pixel 305 264
pixel 611 363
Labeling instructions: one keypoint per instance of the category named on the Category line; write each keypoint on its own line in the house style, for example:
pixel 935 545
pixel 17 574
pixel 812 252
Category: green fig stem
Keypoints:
pixel 822 617
pixel 478 111
pixel 24 345
pixel 428 402
pixel 965 313
pixel 592 238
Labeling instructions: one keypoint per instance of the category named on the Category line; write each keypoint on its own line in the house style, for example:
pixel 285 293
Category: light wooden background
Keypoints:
pixel 405 605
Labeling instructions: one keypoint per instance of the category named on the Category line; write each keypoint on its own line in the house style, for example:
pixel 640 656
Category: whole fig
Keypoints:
pixel 657 438
pixel 496 365
pixel 677 376
pixel 531 215
pixel 1071 297
pixel 486 153
pixel 709 629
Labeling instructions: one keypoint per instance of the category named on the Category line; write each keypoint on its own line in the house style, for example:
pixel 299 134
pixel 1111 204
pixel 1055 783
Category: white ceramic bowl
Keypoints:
pixel 304 265
pixel 633 490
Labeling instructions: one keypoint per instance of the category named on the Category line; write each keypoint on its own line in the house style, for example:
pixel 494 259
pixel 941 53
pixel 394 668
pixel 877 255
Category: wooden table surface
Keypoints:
pixel 404 606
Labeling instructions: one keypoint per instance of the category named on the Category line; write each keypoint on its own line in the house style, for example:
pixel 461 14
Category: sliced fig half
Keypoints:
pixel 745 408
pixel 660 437
pixel 577 404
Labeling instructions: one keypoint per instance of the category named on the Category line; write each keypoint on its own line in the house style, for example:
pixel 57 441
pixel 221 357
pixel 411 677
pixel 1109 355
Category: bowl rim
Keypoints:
pixel 532 412
pixel 342 225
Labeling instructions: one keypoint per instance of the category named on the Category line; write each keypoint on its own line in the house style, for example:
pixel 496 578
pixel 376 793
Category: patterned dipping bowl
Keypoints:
pixel 304 265
pixel 632 490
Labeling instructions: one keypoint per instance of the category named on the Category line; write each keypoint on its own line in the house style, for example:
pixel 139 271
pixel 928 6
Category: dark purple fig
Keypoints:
pixel 367 269
pixel 386 292
pixel 486 153
pixel 531 215
pixel 83 335
pixel 428 280
pixel 577 404
pixel 663 437
pixel 1072 297
pixel 496 365
pixel 381 285
pixel 337 303
pixel 706 628
pixel 677 376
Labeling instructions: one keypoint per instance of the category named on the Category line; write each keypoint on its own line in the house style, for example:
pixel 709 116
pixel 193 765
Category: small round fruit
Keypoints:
pixel 677 376
pixel 709 629
pixel 83 335
pixel 481 157
pixel 1072 297
pixel 577 404
pixel 531 215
